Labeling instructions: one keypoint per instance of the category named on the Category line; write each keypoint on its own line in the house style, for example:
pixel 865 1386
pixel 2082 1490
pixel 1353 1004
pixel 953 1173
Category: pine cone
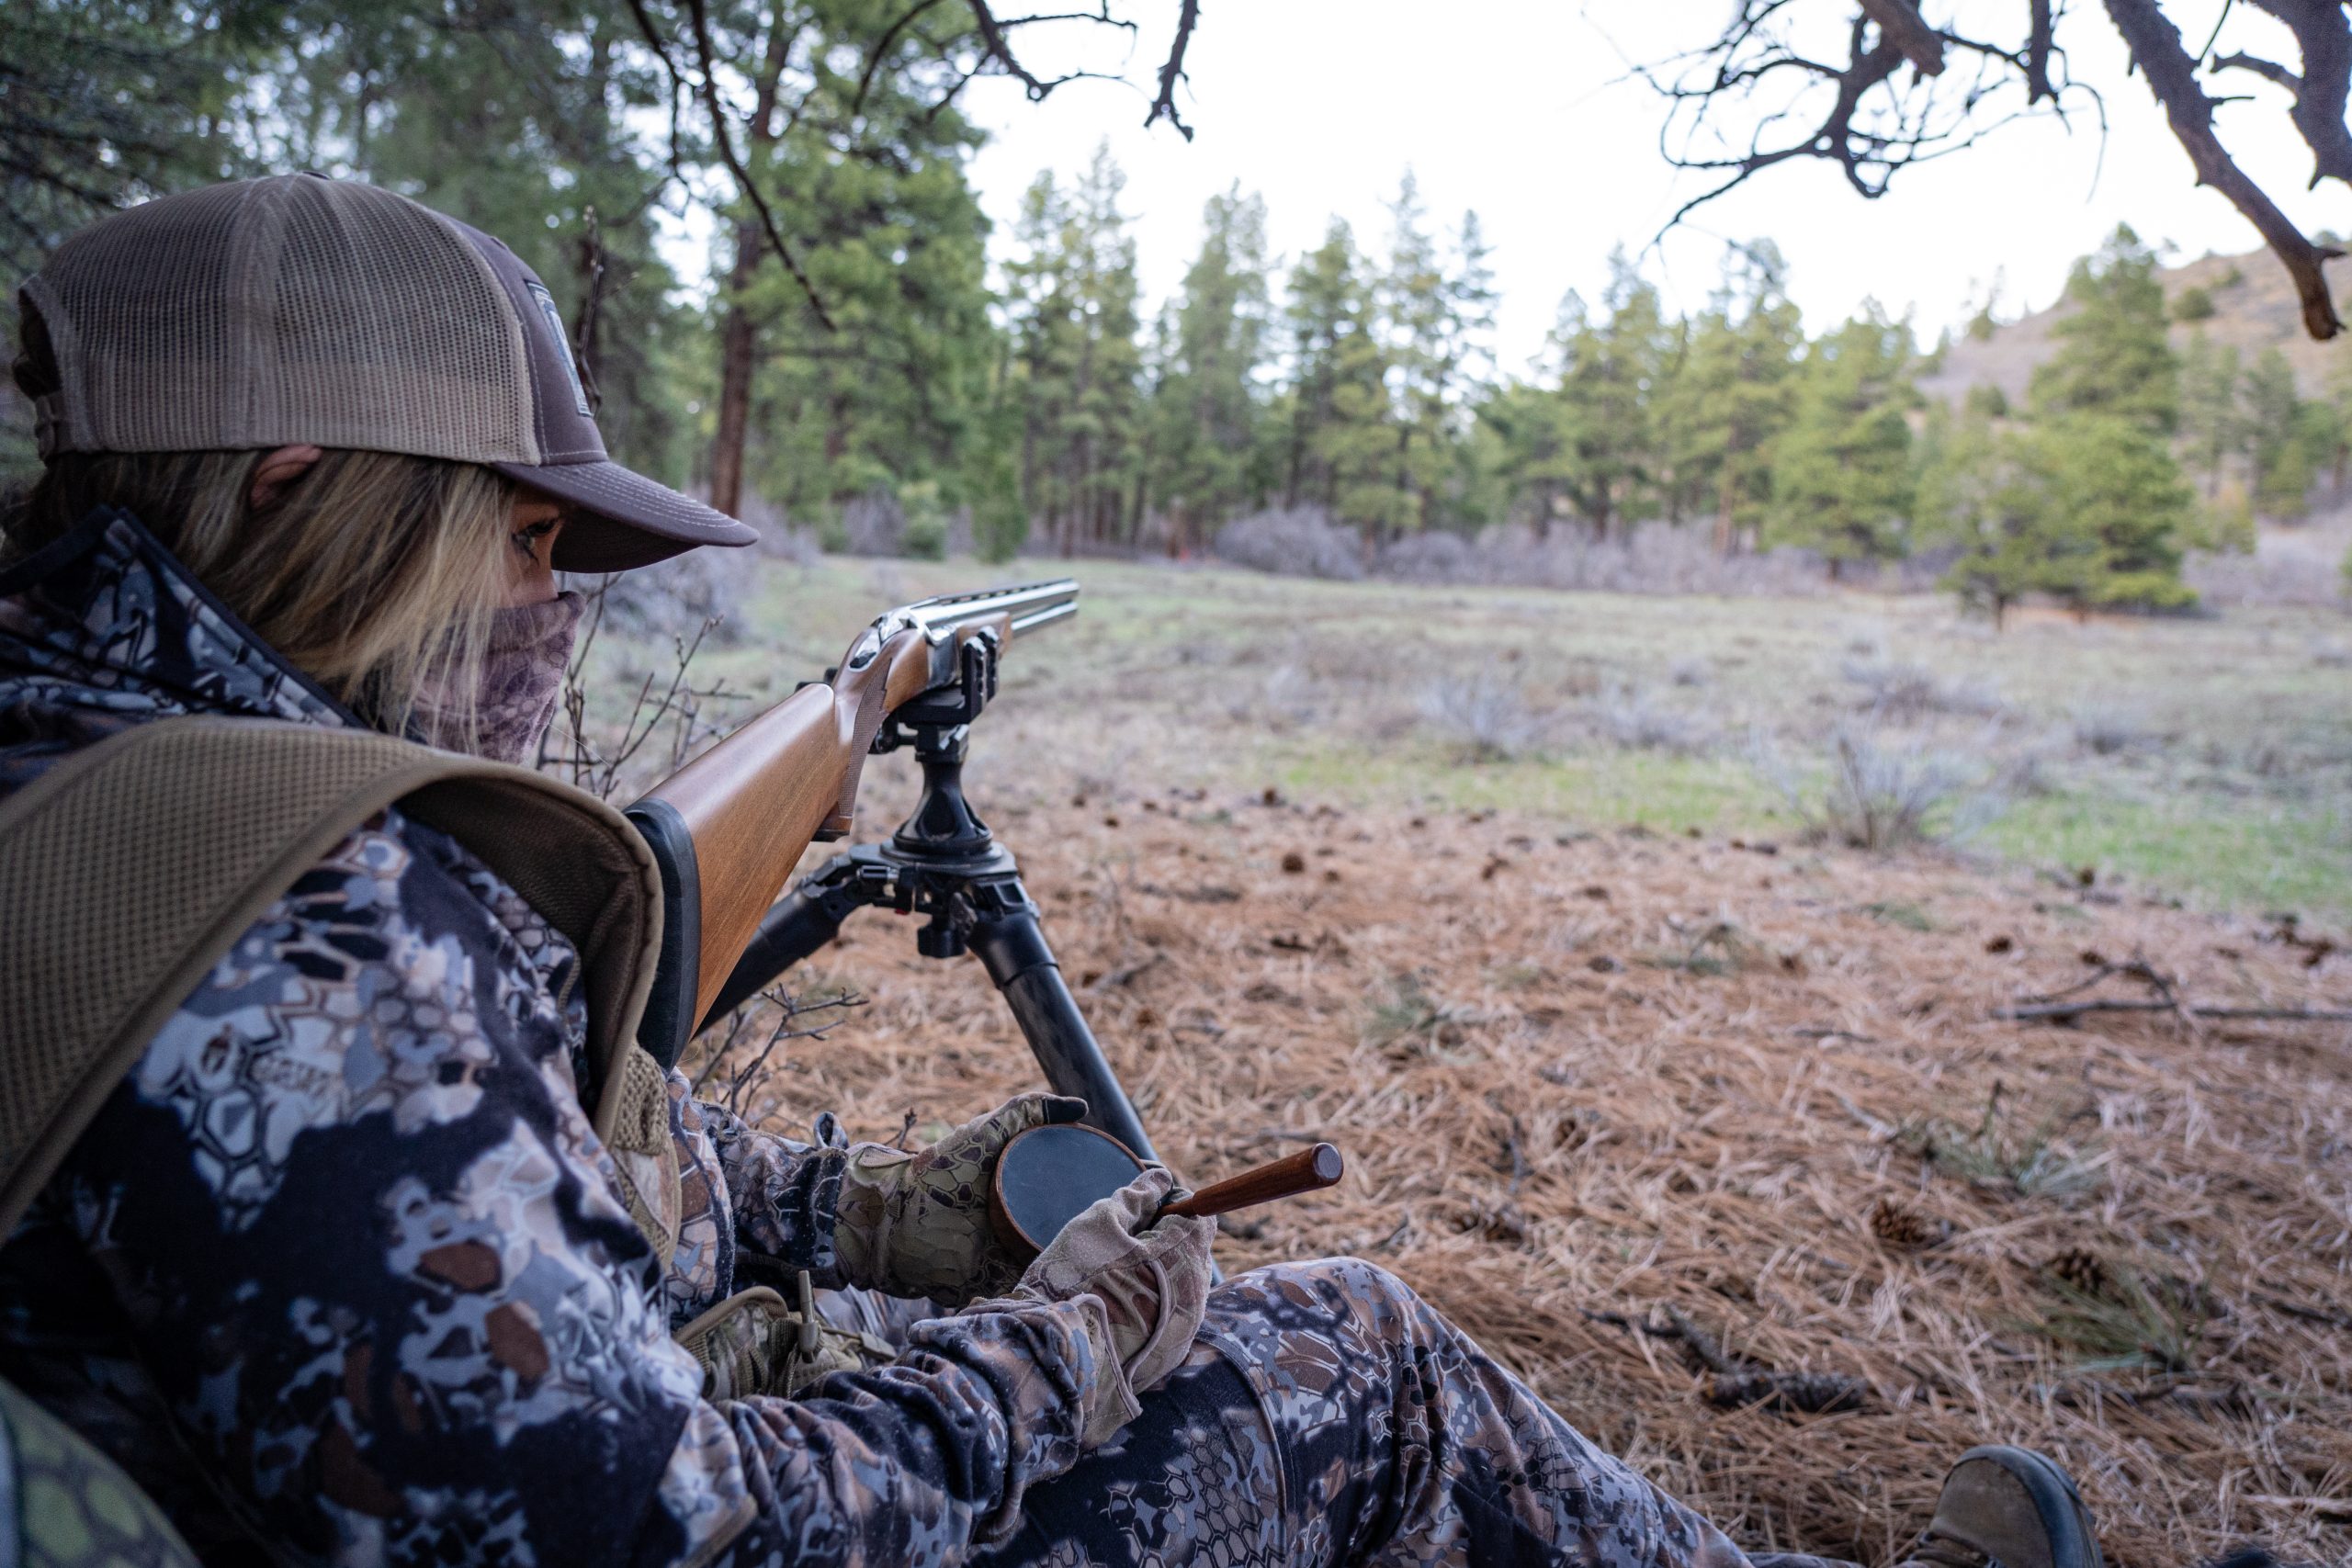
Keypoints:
pixel 1898 1226
pixel 2079 1269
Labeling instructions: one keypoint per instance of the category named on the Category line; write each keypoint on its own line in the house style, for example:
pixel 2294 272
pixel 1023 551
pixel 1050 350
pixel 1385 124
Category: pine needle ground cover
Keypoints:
pixel 1722 1140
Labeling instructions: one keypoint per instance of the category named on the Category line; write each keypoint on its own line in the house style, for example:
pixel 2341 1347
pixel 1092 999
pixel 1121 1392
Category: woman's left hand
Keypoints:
pixel 917 1223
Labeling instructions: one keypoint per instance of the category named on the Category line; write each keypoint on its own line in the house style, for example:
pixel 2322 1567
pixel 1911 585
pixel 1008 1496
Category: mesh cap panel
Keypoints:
pixel 284 310
pixel 303 311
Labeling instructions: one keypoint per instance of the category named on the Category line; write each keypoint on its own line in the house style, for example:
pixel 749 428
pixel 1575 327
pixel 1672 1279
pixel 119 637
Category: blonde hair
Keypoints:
pixel 375 573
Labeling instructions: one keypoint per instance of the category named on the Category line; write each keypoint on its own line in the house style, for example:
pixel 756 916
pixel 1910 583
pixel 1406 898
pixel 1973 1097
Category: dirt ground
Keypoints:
pixel 1596 1087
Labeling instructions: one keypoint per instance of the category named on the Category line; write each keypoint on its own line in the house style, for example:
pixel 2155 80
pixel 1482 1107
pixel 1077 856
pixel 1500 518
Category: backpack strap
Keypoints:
pixel 130 867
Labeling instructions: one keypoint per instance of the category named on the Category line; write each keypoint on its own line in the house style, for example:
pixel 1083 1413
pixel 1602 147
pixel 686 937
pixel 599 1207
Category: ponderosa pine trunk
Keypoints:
pixel 739 332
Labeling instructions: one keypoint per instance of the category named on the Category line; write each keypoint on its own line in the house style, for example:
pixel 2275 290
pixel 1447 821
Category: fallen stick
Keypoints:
pixel 1729 1385
pixel 2074 1010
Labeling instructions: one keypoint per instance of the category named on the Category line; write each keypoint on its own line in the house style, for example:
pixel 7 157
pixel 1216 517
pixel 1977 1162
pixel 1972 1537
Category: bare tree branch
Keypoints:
pixel 2323 39
pixel 881 53
pixel 725 140
pixel 1899 23
pixel 1872 120
pixel 2155 47
pixel 2037 54
pixel 1171 71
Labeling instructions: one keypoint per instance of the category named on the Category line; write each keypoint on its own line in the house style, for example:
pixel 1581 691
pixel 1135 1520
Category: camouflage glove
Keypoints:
pixel 1143 1293
pixel 917 1223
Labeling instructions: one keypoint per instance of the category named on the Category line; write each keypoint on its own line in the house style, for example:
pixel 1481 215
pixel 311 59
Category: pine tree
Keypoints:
pixel 2113 356
pixel 1977 492
pixel 1841 472
pixel 889 401
pixel 2117 514
pixel 2212 430
pixel 1434 313
pixel 1327 311
pixel 1076 366
pixel 1606 421
pixel 1730 393
pixel 2277 437
pixel 1207 404
pixel 2105 408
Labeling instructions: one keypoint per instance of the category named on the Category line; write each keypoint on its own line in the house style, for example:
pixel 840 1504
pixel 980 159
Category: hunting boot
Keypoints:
pixel 2005 1507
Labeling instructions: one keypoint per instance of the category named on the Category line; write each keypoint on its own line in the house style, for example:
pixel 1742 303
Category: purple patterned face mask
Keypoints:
pixel 521 676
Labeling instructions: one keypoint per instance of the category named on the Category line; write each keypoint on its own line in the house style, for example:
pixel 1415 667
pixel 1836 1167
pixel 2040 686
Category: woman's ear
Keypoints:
pixel 276 471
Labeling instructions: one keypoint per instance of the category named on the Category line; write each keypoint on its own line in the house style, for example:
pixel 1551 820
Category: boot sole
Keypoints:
pixel 2074 1540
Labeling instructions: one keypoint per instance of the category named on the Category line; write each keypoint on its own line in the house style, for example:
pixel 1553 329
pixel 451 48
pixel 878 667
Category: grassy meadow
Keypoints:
pixel 2205 759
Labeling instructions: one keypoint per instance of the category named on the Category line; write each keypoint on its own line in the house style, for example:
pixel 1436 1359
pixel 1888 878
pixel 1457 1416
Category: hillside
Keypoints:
pixel 2253 307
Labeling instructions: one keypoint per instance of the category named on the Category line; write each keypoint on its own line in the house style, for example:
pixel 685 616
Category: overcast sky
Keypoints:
pixel 1520 109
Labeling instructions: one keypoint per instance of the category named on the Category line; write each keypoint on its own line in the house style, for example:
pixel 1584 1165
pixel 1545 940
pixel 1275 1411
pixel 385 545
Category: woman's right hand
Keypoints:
pixel 1151 1286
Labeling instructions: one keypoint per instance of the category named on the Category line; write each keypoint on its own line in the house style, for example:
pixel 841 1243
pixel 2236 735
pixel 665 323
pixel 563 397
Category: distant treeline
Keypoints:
pixel 927 372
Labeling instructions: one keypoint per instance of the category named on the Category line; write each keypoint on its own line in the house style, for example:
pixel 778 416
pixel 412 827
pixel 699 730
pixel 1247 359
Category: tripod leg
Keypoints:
pixel 1011 947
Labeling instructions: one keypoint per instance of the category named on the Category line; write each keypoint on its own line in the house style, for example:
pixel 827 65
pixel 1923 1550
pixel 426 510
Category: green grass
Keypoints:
pixel 2247 854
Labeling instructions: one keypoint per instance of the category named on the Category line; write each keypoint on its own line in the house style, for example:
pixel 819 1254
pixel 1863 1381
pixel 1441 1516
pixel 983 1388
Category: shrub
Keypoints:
pixel 1298 542
pixel 673 598
pixel 2111 731
pixel 1490 716
pixel 1883 797
pixel 1634 720
pixel 2192 304
pixel 1900 690
pixel 873 525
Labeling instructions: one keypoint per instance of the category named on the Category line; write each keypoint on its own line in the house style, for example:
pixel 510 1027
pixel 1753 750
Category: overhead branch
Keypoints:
pixel 724 139
pixel 1900 24
pixel 993 41
pixel 2156 49
pixel 1864 114
pixel 2037 54
pixel 2323 39
pixel 881 53
pixel 1171 72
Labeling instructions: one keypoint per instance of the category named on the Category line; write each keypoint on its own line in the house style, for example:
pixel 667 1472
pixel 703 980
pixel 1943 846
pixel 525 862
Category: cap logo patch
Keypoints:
pixel 563 344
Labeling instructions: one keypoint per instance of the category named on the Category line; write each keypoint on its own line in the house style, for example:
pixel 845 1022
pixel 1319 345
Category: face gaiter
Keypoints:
pixel 521 676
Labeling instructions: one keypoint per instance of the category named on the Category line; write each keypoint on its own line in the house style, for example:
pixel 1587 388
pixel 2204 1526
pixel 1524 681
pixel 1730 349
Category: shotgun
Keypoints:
pixel 729 828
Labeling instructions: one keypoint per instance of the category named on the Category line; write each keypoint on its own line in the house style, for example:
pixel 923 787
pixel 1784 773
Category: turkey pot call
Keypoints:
pixel 1047 1176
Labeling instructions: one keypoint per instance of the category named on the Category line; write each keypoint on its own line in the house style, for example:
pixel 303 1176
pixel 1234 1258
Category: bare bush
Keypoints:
pixel 1488 714
pixel 1436 555
pixel 2298 567
pixel 2112 730
pixel 1299 541
pixel 675 598
pixel 1900 690
pixel 1638 722
pixel 873 525
pixel 780 536
pixel 1885 796
pixel 1289 698
pixel 1652 557
pixel 1691 672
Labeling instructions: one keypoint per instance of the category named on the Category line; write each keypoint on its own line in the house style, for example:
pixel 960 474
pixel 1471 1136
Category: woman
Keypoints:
pixel 340 1270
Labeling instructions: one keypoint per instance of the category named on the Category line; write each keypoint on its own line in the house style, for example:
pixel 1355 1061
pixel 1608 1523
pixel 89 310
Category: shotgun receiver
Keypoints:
pixel 729 828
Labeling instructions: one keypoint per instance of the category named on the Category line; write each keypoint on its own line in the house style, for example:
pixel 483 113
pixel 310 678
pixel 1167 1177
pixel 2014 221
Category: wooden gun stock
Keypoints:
pixel 729 828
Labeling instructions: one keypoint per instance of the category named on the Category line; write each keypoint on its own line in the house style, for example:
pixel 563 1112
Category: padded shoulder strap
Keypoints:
pixel 129 868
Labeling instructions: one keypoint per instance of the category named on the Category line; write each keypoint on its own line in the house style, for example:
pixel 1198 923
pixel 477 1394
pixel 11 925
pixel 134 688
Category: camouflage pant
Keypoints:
pixel 1329 1416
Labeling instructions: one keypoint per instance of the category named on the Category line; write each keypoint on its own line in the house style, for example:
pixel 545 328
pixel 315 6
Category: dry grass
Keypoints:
pixel 1583 1076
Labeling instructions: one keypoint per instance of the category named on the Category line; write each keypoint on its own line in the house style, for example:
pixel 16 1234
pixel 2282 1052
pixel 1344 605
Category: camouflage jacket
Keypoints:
pixel 341 1267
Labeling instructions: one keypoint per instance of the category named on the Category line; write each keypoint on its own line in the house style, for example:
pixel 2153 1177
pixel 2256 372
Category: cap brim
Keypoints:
pixel 625 519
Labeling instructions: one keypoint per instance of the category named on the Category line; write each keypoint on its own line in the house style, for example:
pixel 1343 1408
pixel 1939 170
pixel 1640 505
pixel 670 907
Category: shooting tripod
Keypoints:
pixel 944 863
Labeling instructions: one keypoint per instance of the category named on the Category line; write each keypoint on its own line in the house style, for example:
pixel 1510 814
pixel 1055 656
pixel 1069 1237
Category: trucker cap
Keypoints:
pixel 301 311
